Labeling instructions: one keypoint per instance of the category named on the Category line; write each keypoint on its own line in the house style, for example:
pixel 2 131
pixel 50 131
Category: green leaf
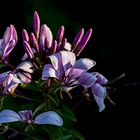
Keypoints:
pixel 67 113
pixel 32 87
pixel 53 131
pixel 67 137
pixel 2 65
pixel 39 108
pixel 74 132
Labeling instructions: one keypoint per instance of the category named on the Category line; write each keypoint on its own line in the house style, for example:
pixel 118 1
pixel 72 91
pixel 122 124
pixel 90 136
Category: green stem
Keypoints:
pixel 22 133
pixel 1 102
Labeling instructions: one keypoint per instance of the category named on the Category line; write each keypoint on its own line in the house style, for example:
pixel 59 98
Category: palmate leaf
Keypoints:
pixel 74 132
pixel 2 65
pixel 67 137
pixel 67 113
pixel 32 86
pixel 53 131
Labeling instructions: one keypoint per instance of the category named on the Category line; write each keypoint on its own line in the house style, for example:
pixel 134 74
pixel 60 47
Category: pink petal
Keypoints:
pixel 46 34
pixel 36 24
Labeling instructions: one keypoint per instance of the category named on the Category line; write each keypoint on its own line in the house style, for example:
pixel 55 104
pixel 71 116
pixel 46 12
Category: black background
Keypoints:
pixel 114 45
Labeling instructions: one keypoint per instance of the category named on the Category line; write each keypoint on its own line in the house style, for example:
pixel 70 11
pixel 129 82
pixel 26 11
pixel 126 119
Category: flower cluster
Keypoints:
pixel 58 70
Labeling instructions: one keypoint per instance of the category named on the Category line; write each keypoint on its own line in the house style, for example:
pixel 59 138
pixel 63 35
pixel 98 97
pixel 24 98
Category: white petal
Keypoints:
pixel 84 63
pixel 68 46
pixel 49 71
pixel 26 66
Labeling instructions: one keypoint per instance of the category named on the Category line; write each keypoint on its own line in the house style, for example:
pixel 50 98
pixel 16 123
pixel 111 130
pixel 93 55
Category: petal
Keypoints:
pixel 49 71
pixel 74 73
pixel 7 35
pixel 13 33
pixel 62 61
pixel 87 80
pixel 101 79
pixel 9 116
pixel 26 115
pixel 46 34
pixel 36 23
pixel 84 64
pixel 77 39
pixel 60 34
pixel 100 103
pixel 26 66
pixel 99 93
pixel 25 35
pixel 62 45
pixel 3 77
pixel 24 77
pixel 11 86
pixel 68 46
pixel 83 42
pixel 49 117
pixel 34 42
pixel 68 59
pixel 56 60
pixel 28 50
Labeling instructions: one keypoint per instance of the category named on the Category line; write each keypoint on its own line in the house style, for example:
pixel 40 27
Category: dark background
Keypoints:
pixel 114 45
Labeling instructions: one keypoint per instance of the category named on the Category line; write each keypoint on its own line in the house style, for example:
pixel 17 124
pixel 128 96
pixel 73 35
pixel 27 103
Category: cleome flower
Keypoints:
pixel 66 69
pixel 26 116
pixel 96 82
pixel 9 82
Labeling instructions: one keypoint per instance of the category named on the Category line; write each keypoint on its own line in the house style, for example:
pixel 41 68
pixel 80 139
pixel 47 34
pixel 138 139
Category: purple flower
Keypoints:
pixel 96 81
pixel 49 117
pixel 8 42
pixel 9 82
pixel 66 69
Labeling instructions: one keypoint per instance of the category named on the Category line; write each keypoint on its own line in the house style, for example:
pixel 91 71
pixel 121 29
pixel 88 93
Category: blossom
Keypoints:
pixel 96 82
pixel 49 117
pixel 9 82
pixel 8 42
pixel 66 69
